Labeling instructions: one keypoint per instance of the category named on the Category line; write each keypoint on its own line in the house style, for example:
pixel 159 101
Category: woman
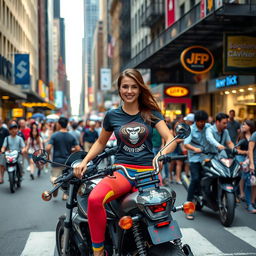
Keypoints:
pixel 132 124
pixel 247 128
pixel 252 166
pixel 34 143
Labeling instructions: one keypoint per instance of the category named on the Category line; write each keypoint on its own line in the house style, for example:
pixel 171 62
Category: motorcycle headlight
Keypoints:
pixel 227 162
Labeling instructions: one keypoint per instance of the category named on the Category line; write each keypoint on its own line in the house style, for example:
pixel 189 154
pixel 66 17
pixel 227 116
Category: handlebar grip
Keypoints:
pixel 167 159
pixel 180 157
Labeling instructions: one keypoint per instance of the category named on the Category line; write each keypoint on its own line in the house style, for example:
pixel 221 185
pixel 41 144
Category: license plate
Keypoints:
pixel 165 234
pixel 11 168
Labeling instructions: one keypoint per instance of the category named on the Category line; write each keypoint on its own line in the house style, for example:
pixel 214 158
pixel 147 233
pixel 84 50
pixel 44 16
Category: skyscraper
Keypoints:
pixel 91 16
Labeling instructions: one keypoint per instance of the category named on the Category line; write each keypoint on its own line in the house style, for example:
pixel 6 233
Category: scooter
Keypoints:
pixel 139 223
pixel 221 176
pixel 13 169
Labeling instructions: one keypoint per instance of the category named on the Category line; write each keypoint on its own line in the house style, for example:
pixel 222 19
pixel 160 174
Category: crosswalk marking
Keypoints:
pixel 247 234
pixel 200 246
pixel 40 244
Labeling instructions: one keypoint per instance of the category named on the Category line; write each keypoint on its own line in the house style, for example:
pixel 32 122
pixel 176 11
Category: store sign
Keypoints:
pixel 197 59
pixel 227 81
pixel 21 67
pixel 239 54
pixel 17 112
pixel 105 79
pixel 6 69
pixel 176 91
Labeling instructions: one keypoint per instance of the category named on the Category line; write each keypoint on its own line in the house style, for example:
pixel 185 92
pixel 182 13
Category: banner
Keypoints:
pixel 169 13
pixel 239 54
pixel 21 67
pixel 59 99
pixel 105 79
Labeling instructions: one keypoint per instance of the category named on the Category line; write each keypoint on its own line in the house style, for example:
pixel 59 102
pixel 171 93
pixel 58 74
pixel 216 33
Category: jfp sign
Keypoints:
pixel 22 74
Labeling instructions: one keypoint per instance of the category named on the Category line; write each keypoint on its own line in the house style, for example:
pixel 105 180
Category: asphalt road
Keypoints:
pixel 27 224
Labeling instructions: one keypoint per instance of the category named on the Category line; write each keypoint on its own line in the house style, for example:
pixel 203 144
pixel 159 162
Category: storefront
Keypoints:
pixel 173 99
pixel 229 92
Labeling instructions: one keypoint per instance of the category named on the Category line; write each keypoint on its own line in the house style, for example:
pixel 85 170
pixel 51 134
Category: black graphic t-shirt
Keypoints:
pixel 134 136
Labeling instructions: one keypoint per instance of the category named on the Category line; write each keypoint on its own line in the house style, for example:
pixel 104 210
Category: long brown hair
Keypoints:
pixel 252 125
pixel 146 100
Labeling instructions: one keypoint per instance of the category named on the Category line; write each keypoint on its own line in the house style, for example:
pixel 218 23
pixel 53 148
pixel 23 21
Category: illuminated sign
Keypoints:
pixel 197 59
pixel 17 112
pixel 176 91
pixel 227 81
pixel 38 104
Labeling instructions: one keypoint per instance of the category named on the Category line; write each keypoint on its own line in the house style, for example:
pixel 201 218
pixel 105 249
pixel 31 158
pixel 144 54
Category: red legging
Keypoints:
pixel 107 190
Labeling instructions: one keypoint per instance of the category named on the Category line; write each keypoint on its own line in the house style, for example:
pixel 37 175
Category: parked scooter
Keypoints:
pixel 221 176
pixel 13 169
pixel 139 223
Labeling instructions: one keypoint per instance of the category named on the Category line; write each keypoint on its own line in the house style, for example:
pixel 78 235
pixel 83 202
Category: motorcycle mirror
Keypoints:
pixel 182 130
pixel 40 158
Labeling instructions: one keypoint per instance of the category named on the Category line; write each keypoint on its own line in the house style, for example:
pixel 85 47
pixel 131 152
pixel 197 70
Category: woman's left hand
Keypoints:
pixel 160 163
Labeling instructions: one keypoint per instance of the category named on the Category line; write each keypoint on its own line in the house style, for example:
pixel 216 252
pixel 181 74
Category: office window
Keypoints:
pixel 182 10
pixel 192 3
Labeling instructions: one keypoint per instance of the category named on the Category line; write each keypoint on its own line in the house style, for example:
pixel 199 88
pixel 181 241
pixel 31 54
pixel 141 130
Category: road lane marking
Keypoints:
pixel 246 234
pixel 200 246
pixel 40 244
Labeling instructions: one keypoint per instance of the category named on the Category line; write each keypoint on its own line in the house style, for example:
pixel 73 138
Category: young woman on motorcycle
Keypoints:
pixel 132 124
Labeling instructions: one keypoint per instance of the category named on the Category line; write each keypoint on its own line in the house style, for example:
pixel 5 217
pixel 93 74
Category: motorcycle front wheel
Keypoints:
pixel 166 249
pixel 72 248
pixel 12 181
pixel 227 209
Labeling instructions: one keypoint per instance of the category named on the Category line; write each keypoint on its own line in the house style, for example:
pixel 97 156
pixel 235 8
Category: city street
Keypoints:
pixel 28 223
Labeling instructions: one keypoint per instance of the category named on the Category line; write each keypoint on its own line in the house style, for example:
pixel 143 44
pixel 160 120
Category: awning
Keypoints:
pixel 11 90
pixel 191 29
pixel 33 96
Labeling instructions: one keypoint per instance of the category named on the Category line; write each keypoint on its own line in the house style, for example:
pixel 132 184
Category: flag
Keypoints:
pixel 111 44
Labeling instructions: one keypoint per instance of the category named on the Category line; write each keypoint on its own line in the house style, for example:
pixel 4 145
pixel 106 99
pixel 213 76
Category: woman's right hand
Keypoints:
pixel 80 170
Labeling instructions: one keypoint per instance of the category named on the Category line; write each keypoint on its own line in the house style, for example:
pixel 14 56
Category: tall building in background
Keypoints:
pixel 18 35
pixel 91 16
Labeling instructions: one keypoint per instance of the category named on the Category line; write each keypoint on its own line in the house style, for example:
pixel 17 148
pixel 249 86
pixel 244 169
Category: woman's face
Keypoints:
pixel 245 127
pixel 34 132
pixel 129 90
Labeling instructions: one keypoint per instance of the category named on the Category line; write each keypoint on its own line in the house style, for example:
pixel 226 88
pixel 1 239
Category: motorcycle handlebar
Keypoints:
pixel 167 159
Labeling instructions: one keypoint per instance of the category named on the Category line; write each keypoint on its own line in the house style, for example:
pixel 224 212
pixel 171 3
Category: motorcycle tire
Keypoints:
pixel 18 179
pixel 227 211
pixel 12 181
pixel 166 249
pixel 72 248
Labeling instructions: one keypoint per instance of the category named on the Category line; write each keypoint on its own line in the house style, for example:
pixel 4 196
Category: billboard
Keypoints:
pixel 105 79
pixel 21 69
pixel 239 53
pixel 59 99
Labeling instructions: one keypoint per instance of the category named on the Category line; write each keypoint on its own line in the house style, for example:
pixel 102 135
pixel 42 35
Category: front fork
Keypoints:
pixel 68 219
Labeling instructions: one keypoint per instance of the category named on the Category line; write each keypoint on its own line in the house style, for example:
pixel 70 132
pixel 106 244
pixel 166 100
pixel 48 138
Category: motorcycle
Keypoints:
pixel 112 142
pixel 139 223
pixel 13 169
pixel 221 176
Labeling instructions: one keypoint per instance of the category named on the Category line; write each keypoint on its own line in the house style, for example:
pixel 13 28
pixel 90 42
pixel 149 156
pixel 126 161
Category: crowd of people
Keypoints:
pixel 58 137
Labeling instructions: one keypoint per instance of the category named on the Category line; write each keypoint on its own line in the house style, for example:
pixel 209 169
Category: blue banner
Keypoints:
pixel 22 74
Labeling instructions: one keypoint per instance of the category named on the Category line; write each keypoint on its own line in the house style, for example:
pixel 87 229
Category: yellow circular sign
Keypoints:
pixel 176 91
pixel 197 59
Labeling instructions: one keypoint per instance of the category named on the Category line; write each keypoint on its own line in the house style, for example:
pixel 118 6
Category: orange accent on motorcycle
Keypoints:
pixel 158 208
pixel 189 207
pixel 125 222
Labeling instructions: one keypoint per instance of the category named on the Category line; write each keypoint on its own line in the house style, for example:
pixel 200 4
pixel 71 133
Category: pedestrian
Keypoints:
pixel 132 124
pixel 247 129
pixel 189 119
pixel 3 134
pixel 62 143
pixel 252 167
pixel 233 126
pixel 14 142
pixel 89 136
pixel 34 143
pixel 176 165
pixel 74 132
pixel 195 143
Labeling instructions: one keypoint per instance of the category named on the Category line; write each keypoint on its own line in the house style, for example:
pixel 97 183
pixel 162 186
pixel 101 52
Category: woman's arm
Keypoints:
pixel 95 150
pixel 167 136
pixel 250 154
